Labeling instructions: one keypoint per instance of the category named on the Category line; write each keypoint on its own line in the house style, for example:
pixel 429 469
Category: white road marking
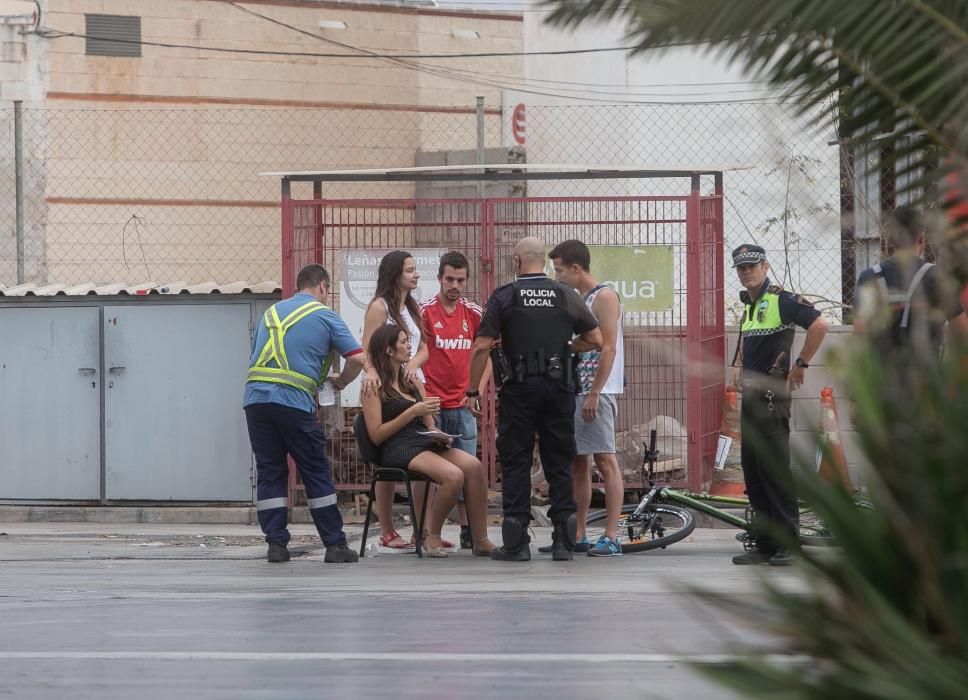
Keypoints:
pixel 433 657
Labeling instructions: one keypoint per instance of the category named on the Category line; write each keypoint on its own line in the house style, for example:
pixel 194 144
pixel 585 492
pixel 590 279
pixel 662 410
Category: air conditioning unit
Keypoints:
pixel 18 13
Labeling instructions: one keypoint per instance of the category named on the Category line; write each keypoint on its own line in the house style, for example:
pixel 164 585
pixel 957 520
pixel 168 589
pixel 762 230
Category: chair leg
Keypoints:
pixel 423 509
pixel 369 513
pixel 413 516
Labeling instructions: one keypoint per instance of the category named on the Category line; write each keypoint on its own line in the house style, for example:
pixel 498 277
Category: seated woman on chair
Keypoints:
pixel 395 418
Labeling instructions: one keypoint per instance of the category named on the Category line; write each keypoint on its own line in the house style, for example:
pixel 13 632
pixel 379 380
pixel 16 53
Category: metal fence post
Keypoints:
pixel 480 142
pixel 695 469
pixel 18 169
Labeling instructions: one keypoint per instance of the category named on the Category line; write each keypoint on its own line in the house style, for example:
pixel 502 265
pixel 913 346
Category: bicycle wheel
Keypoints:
pixel 658 527
pixel 814 532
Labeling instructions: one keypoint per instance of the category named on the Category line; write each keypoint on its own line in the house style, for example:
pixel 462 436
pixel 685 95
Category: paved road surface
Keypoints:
pixel 142 611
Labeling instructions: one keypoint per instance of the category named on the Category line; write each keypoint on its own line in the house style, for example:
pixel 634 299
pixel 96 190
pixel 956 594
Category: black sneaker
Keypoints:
pixel 501 554
pixel 340 554
pixel 752 558
pixel 278 553
pixel 580 547
pixel 466 539
pixel 781 558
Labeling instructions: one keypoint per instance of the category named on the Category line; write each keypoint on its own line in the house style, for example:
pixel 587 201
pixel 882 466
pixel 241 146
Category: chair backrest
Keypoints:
pixel 368 451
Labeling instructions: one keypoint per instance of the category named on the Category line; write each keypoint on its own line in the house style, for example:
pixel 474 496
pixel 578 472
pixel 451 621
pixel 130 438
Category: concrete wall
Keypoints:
pixel 23 71
pixel 149 168
pixel 176 72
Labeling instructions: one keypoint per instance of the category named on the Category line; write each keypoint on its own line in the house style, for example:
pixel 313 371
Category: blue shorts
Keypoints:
pixel 460 421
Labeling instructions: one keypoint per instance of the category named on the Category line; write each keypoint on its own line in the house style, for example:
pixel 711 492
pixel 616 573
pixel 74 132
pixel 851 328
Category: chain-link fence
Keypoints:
pixel 176 195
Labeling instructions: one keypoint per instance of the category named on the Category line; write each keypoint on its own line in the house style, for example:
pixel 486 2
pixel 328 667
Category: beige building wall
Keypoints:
pixel 153 163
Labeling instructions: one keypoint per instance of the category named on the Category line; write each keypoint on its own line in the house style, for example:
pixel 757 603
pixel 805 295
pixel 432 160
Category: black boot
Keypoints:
pixel 466 539
pixel 752 558
pixel 563 538
pixel 340 554
pixel 278 553
pixel 514 532
pixel 782 557
pixel 502 554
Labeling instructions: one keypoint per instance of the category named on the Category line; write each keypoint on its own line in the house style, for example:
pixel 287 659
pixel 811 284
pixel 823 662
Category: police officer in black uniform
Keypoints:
pixel 770 318
pixel 535 318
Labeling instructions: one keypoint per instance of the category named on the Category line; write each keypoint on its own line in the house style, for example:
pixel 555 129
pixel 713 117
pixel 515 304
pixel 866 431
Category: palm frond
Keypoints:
pixel 885 615
pixel 874 67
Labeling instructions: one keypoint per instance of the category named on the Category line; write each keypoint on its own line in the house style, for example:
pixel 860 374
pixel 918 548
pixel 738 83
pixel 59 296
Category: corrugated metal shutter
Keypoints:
pixel 108 28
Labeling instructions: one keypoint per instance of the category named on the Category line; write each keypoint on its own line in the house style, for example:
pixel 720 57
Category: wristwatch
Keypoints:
pixel 472 394
pixel 801 364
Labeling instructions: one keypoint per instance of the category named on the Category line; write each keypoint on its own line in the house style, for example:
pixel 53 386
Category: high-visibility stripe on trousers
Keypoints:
pixel 274 432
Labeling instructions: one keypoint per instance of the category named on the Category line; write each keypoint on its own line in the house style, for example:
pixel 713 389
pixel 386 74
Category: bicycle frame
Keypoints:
pixel 812 530
pixel 687 500
pixel 698 502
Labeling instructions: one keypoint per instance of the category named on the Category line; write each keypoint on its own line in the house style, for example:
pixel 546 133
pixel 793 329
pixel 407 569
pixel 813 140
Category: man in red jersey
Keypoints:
pixel 450 322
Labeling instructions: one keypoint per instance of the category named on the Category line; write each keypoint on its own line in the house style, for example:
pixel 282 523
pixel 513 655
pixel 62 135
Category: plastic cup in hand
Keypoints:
pixel 326 394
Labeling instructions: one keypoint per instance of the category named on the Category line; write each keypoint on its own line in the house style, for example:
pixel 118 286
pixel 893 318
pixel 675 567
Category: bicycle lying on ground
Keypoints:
pixel 664 515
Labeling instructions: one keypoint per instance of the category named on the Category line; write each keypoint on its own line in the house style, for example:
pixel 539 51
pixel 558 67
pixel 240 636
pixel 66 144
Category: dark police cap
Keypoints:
pixel 748 254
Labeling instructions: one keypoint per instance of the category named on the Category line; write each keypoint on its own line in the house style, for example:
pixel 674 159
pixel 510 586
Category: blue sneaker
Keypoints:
pixel 605 547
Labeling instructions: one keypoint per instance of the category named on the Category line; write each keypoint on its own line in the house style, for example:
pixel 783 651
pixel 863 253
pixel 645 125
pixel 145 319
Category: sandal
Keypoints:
pixel 390 539
pixel 443 543
pixel 435 552
pixel 479 552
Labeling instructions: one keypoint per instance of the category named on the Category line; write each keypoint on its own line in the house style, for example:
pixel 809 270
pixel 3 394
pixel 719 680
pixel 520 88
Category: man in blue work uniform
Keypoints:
pixel 290 359
pixel 770 318
pixel 535 318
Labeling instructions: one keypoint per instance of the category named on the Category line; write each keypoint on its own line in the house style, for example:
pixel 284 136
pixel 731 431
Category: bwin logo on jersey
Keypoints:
pixel 453 343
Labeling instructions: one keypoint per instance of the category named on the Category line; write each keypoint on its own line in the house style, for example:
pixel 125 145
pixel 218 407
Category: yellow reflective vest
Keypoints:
pixel 272 364
pixel 763 316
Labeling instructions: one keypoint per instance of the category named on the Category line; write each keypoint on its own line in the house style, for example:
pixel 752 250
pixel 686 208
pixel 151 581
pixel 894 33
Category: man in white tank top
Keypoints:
pixel 601 377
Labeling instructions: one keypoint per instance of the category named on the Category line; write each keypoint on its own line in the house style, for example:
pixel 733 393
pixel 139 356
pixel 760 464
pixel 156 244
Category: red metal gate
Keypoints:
pixel 674 358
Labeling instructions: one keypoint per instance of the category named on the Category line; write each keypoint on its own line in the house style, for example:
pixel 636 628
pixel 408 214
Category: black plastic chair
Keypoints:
pixel 371 455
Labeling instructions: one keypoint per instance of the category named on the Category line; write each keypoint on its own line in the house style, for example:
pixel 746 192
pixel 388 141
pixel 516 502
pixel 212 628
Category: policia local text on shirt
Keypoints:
pixel 535 318
pixel 770 318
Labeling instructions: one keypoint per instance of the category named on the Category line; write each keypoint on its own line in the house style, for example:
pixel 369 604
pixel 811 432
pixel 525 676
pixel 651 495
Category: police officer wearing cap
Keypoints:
pixel 770 318
pixel 535 319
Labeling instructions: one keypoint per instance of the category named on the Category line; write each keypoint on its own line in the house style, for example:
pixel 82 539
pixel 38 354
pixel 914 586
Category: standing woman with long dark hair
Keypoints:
pixel 393 304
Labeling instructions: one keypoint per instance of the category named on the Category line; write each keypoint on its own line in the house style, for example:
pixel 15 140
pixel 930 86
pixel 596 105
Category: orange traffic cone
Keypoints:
pixel 831 462
pixel 729 480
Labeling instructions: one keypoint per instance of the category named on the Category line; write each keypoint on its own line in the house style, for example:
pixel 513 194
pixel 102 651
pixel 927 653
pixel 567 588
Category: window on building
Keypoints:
pixel 112 35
